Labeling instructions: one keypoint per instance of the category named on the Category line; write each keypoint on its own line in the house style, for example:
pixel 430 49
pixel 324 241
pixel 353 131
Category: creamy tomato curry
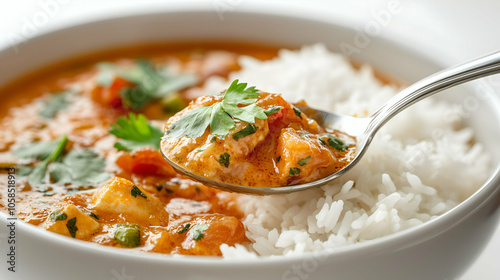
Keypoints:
pixel 79 144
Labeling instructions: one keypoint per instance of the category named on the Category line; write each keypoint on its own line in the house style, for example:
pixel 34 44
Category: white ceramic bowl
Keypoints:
pixel 440 249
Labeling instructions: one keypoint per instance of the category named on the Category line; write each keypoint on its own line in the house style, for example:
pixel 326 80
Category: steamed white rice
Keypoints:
pixel 420 165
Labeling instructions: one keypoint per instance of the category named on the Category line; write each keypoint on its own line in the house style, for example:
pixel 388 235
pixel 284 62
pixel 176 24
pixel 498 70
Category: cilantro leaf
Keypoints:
pixel 198 231
pixel 37 150
pixel 136 133
pixel 136 191
pixel 298 113
pixel 149 82
pixel 71 225
pixel 56 103
pixel 303 161
pixel 294 171
pixel 249 129
pixel 193 124
pixel 224 159
pixel 220 122
pixel 238 94
pixel 58 215
pixel 93 215
pixel 184 229
pixel 237 103
pixel 46 151
pixel 336 143
pixel 79 167
pixel 272 110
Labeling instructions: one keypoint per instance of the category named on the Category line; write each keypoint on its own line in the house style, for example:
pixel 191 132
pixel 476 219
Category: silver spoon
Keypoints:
pixel 364 129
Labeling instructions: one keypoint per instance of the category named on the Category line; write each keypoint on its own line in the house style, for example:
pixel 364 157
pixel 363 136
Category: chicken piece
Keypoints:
pixel 303 158
pixel 70 221
pixel 122 198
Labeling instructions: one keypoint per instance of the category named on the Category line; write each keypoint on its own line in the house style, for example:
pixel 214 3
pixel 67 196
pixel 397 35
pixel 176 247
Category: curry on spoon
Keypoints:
pixel 255 142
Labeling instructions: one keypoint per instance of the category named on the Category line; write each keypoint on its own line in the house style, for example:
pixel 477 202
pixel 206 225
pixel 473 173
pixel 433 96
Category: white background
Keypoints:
pixel 457 29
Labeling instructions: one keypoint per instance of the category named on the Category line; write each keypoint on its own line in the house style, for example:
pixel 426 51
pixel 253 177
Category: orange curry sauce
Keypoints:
pixel 170 213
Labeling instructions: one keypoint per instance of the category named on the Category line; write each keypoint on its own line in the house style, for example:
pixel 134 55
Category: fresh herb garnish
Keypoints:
pixel 322 141
pixel 294 171
pixel 128 235
pixel 224 159
pixel 136 191
pixel 303 161
pixel 56 102
pixel 213 139
pixel 136 133
pixel 149 83
pixel 39 150
pixel 79 167
pixel 278 159
pixel 198 231
pixel 272 110
pixel 45 151
pixel 237 103
pixel 58 215
pixel 336 143
pixel 249 129
pixel 93 215
pixel 184 229
pixel 297 112
pixel 71 225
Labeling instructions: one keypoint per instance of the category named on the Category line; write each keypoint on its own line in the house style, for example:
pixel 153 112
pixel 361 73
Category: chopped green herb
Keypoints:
pixel 278 159
pixel 47 191
pixel 93 215
pixel 57 102
pixel 136 191
pixel 224 159
pixel 149 83
pixel 58 215
pixel 79 167
pixel 297 112
pixel 36 175
pixel 128 235
pixel 71 225
pixel 303 161
pixel 39 150
pixel 272 110
pixel 237 103
pixel 136 133
pixel 198 231
pixel 249 129
pixel 184 229
pixel 336 143
pixel 294 171
pixel 213 139
pixel 322 141
pixel 199 150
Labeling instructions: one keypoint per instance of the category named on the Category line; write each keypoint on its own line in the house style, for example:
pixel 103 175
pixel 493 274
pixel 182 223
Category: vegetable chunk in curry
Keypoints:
pixel 250 138
pixel 81 141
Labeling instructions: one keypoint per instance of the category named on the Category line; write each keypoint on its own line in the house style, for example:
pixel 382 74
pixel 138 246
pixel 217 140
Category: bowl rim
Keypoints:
pixel 394 241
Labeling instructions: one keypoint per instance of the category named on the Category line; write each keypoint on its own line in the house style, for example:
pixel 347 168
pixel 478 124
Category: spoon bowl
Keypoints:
pixel 364 129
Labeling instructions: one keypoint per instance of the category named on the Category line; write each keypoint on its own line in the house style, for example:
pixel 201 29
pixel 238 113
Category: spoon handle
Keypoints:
pixel 474 69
